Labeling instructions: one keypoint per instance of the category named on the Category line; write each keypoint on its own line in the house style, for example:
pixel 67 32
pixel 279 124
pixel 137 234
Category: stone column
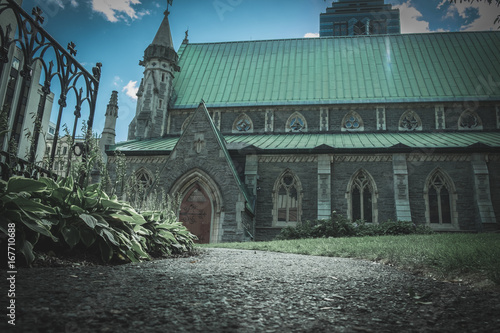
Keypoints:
pixel 482 193
pixel 324 187
pixel 401 197
pixel 251 177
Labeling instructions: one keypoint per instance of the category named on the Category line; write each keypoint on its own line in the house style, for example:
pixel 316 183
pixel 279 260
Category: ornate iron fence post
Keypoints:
pixel 40 50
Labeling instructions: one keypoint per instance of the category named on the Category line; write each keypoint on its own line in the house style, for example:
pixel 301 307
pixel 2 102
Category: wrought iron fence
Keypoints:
pixel 57 65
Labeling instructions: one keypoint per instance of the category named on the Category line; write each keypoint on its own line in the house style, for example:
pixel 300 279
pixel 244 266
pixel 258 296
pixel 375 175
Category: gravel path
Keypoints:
pixel 224 290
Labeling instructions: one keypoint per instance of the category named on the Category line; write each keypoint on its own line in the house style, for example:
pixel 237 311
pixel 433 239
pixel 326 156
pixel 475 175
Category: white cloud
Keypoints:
pixel 311 35
pixel 114 10
pixel 61 3
pixel 411 19
pixel 131 89
pixel 487 15
pixel 57 3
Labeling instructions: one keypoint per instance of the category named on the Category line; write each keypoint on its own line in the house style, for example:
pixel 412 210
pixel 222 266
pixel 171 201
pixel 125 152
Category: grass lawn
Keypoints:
pixel 443 256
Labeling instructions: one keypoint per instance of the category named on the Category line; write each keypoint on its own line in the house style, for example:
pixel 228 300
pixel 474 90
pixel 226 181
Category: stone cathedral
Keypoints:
pixel 254 136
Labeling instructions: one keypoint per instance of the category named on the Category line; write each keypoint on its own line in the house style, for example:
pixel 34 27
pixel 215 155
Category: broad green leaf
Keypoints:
pixel 90 202
pixel 71 235
pixel 106 251
pixel 49 182
pixel 136 246
pixel 34 223
pixel 77 210
pixel 107 234
pixel 89 220
pixel 136 220
pixel 111 204
pixel 21 184
pixel 31 205
pixel 26 249
pixel 88 237
pixel 3 185
pixel 100 220
pixel 91 188
pixel 60 194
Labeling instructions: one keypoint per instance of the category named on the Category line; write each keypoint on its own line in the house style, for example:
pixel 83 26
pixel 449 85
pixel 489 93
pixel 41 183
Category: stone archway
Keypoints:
pixel 201 209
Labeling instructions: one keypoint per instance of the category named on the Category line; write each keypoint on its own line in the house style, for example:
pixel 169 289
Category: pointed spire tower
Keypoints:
pixel 160 63
pixel 108 133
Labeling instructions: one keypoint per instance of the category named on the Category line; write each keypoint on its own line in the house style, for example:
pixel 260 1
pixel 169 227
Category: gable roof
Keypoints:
pixel 222 145
pixel 335 70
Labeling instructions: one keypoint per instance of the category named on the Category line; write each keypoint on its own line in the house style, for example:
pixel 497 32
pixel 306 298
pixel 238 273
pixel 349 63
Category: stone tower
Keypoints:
pixel 108 133
pixel 160 63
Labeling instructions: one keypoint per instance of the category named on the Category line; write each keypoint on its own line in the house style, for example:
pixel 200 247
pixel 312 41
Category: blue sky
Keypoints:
pixel 116 32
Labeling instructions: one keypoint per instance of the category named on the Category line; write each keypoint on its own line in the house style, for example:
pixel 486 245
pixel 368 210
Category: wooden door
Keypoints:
pixel 196 213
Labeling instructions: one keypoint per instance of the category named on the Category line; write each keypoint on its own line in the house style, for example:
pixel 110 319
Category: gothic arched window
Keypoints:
pixel 352 122
pixel 440 198
pixel 287 199
pixel 469 120
pixel 362 197
pixel 243 124
pixel 296 123
pixel 359 28
pixel 410 121
pixel 141 182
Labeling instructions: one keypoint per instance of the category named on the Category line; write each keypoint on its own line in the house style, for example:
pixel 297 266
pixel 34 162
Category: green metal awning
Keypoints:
pixel 431 67
pixel 335 141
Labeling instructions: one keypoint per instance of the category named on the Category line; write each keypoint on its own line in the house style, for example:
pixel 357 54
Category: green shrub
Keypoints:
pixel 63 213
pixel 339 226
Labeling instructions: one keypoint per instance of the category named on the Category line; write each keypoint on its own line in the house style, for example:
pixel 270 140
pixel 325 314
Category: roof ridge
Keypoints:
pixel 348 37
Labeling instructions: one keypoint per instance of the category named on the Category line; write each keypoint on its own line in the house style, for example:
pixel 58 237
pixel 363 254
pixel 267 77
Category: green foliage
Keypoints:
pixel 339 226
pixel 67 214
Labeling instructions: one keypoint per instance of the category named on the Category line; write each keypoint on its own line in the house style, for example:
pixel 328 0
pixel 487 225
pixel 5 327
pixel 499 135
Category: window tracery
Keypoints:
pixel 410 121
pixel 440 199
pixel 469 120
pixel 362 197
pixel 243 124
pixel 359 28
pixel 352 122
pixel 296 123
pixel 287 199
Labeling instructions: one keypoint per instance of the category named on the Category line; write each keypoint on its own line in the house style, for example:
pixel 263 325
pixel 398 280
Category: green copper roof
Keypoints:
pixel 334 70
pixel 453 140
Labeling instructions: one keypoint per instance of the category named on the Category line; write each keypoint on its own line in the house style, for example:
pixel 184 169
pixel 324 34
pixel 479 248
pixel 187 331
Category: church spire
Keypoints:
pixel 164 36
pixel 162 46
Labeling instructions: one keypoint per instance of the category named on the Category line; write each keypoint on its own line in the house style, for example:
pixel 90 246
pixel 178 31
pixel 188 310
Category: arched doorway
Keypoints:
pixel 196 213
pixel 201 199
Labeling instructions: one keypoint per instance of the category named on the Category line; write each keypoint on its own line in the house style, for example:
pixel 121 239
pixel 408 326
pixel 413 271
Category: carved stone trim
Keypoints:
pixel 324 119
pixel 288 159
pixel 381 125
pixel 440 120
pixel 269 120
pixel 362 158
pixel 423 157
